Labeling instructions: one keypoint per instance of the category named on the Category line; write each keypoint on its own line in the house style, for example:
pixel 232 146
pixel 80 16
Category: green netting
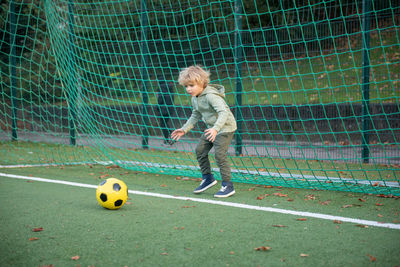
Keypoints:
pixel 314 86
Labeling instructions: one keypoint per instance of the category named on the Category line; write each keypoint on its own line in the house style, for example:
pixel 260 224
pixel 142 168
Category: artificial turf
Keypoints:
pixel 150 231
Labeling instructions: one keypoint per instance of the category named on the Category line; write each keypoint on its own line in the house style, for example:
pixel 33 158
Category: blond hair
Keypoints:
pixel 195 74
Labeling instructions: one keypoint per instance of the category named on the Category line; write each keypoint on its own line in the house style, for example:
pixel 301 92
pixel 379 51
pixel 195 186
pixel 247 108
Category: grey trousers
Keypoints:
pixel 221 145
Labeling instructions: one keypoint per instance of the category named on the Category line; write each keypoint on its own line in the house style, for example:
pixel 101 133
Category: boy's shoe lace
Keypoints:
pixel 226 190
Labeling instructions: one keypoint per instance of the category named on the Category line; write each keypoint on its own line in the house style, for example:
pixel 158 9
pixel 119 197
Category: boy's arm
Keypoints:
pixel 194 118
pixel 220 106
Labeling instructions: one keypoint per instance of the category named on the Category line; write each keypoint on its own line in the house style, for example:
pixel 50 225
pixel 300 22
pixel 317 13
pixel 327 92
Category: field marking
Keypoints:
pixel 222 203
pixel 309 178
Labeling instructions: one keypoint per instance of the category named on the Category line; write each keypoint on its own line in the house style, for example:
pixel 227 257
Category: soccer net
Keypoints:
pixel 314 86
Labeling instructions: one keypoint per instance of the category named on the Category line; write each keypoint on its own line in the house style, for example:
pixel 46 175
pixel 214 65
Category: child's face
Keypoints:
pixel 194 89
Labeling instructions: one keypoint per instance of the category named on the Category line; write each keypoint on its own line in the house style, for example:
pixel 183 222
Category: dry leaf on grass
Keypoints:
pixel 33 238
pixel 278 225
pixel 310 197
pixel 325 202
pixel 371 258
pixel 38 229
pixel 280 195
pixel 261 197
pixel 304 255
pixel 301 219
pixel 75 258
pixel 113 167
pixel 262 248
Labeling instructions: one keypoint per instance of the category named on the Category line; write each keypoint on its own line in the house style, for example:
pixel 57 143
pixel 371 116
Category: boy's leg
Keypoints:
pixel 221 145
pixel 202 149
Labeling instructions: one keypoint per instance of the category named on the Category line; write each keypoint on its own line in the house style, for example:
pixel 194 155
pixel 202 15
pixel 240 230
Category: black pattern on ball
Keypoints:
pixel 116 187
pixel 118 203
pixel 103 197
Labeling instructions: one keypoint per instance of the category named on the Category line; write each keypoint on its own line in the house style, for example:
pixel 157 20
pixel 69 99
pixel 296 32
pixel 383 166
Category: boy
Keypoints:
pixel 208 102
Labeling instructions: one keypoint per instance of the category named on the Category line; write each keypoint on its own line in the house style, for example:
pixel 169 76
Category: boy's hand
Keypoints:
pixel 177 134
pixel 210 134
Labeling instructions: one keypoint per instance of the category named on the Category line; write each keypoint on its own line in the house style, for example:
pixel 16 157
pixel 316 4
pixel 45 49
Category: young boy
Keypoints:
pixel 208 102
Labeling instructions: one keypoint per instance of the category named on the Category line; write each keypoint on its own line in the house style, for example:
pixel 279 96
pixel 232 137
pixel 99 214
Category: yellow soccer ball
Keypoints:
pixel 112 193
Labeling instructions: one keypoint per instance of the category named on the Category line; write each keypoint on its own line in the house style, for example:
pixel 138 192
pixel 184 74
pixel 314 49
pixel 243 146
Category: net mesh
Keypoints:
pixel 314 86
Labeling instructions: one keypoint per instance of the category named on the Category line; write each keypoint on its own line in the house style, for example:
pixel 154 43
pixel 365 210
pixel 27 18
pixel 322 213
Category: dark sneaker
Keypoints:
pixel 226 190
pixel 207 182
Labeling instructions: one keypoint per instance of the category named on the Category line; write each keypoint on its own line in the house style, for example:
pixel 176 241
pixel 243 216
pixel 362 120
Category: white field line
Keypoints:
pixel 222 203
pixel 309 178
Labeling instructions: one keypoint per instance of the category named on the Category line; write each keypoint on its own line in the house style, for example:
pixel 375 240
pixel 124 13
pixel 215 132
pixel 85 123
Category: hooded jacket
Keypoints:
pixel 210 106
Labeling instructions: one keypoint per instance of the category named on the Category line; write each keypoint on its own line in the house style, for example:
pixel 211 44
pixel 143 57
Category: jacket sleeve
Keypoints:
pixel 222 109
pixel 194 118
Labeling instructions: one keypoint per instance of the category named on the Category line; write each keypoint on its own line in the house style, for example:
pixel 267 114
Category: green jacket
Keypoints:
pixel 210 106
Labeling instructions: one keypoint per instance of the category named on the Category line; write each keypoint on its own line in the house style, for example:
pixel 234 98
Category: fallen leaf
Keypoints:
pixel 185 207
pixel 379 204
pixel 113 167
pixel 347 206
pixel 231 252
pixel 304 255
pixel 362 225
pixel 33 238
pixel 278 225
pixel 362 200
pixel 75 258
pixel 325 202
pixel 301 219
pixel 164 253
pixel 337 222
pixel 371 258
pixel 310 197
pixel 163 185
pixel 261 197
pixel 38 229
pixel 280 194
pixel 262 248
pixel 380 215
